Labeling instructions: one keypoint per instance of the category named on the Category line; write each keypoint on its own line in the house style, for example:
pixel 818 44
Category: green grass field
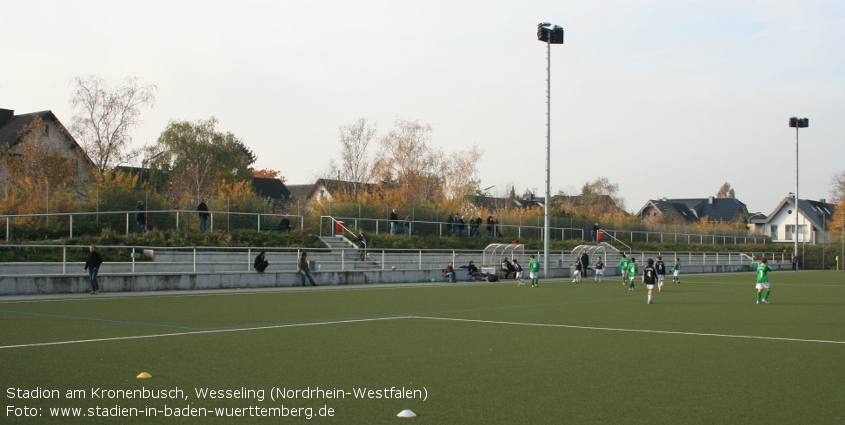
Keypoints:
pixel 477 353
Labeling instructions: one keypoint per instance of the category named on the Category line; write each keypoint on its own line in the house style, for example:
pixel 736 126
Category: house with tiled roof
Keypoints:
pixel 327 189
pixel 13 129
pixel 814 219
pixel 691 210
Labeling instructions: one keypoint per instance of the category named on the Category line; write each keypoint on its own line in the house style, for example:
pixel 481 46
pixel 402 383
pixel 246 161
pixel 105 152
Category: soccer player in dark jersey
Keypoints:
pixel 661 273
pixel 649 278
pixel 599 270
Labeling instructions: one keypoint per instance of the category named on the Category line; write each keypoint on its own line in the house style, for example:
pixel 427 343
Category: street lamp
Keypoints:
pixel 551 34
pixel 797 123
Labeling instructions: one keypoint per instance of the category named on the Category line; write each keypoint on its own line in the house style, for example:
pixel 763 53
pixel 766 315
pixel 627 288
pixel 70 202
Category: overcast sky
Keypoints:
pixel 665 98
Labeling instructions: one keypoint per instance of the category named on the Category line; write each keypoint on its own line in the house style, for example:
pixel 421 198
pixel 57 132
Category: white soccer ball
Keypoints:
pixel 432 279
pixel 393 268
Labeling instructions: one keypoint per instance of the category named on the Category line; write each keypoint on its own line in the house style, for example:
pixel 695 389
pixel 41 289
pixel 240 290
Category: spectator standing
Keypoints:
pixel 408 225
pixel 202 209
pixel 585 263
pixel 362 244
pixel 394 221
pixel 795 262
pixel 490 225
pixel 462 225
pixel 284 225
pixel 92 266
pixel 141 217
pixel 304 269
pixel 594 235
pixel 261 262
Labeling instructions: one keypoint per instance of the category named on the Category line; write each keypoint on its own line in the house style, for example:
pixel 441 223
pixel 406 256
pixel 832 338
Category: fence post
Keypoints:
pixel 7 229
pixel 64 260
pixel 177 220
pixel 127 223
pixel 195 259
pixel 212 223
pixel 71 225
pixel 420 260
pixel 382 259
pixel 133 260
pixel 249 257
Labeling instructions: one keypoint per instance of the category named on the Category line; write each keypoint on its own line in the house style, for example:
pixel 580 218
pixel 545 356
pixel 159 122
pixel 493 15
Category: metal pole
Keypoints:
pixel 796 192
pixel 548 155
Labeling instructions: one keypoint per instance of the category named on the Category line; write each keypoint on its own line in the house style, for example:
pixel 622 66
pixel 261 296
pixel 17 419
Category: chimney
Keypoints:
pixel 824 201
pixel 711 200
pixel 6 115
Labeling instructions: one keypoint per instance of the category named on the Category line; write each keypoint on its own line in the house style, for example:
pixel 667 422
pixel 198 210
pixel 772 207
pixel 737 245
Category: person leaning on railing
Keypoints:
pixel 304 269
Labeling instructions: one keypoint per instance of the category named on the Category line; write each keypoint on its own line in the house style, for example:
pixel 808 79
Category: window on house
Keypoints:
pixel 774 232
pixel 790 231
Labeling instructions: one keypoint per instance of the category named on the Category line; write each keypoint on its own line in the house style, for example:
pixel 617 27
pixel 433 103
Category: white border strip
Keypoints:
pixel 552 325
pixel 210 331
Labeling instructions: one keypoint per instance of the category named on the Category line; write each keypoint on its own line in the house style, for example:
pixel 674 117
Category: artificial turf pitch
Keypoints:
pixel 479 353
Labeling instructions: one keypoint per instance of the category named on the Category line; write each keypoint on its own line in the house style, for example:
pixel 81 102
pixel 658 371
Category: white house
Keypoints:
pixel 813 221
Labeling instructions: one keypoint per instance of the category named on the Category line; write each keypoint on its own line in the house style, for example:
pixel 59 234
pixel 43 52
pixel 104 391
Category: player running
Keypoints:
pixel 534 271
pixel 599 270
pixel 676 271
pixel 649 276
pixel 632 273
pixel 763 270
pixel 623 267
pixel 661 273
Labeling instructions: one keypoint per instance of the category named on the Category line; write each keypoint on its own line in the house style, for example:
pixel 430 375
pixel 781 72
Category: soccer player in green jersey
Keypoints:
pixel 676 271
pixel 623 267
pixel 632 273
pixel 763 270
pixel 534 271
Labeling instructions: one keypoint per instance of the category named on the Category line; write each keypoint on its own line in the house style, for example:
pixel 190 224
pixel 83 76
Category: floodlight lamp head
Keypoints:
pixel 799 122
pixel 544 24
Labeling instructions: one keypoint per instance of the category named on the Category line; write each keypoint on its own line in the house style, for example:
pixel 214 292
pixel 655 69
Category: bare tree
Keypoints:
pixel 355 162
pixel 103 118
pixel 837 187
pixel 409 161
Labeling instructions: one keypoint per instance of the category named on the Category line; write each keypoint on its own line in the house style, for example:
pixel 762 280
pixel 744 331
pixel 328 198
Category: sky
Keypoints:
pixel 664 98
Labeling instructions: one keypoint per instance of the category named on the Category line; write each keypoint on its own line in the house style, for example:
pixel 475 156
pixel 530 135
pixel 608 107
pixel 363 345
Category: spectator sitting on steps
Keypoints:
pixel 261 262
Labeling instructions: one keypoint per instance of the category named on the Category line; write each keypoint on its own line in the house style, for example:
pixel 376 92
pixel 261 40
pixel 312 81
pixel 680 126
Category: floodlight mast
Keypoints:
pixel 551 35
pixel 797 123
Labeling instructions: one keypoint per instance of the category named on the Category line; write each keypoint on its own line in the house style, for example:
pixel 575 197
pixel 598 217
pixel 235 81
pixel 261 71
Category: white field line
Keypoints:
pixel 210 331
pixel 595 328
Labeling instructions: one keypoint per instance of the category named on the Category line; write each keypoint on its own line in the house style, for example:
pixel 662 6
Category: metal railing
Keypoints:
pixel 70 259
pixel 158 219
pixel 438 228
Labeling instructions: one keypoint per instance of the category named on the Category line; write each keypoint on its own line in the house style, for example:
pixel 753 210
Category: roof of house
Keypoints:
pixel 715 209
pixel 817 212
pixel 679 208
pixel 271 188
pixel 10 130
pixel 11 126
pixel 301 191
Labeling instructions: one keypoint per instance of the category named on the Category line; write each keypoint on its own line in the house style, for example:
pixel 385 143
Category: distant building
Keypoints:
pixel 11 134
pixel 328 189
pixel 273 189
pixel 692 210
pixel 813 221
